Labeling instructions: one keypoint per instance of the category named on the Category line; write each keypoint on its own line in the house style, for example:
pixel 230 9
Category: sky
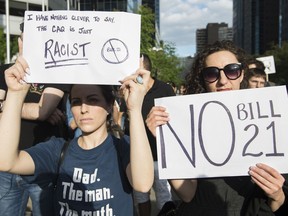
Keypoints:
pixel 179 20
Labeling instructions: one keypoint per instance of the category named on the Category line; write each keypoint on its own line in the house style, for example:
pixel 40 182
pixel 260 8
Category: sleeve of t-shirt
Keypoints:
pixel 46 156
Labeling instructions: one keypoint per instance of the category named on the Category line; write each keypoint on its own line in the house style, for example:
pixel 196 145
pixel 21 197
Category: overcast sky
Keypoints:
pixel 179 20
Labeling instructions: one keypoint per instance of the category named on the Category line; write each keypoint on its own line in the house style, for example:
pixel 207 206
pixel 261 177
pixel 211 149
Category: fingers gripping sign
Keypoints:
pixel 135 87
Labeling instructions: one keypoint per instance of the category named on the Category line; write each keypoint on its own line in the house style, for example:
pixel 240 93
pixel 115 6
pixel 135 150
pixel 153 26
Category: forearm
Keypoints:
pixel 10 129
pixel 47 104
pixel 185 188
pixel 142 169
pixel 30 111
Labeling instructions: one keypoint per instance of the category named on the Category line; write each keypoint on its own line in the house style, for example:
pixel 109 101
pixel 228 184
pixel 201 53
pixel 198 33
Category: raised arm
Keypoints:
pixel 11 160
pixel 140 170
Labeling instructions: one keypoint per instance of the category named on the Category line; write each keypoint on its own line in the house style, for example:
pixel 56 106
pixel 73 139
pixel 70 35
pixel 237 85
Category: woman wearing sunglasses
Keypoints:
pixel 220 67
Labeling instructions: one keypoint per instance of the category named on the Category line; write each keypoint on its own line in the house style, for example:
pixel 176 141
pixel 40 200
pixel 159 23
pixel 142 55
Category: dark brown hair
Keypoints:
pixel 194 79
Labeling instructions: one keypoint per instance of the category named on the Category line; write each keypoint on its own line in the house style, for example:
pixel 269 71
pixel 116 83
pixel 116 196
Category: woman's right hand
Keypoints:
pixel 156 117
pixel 15 75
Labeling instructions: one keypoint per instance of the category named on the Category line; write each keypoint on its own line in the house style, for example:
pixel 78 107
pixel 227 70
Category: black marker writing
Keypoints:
pixel 63 53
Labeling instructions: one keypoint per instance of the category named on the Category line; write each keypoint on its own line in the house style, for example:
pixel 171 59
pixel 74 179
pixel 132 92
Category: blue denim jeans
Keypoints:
pixel 14 194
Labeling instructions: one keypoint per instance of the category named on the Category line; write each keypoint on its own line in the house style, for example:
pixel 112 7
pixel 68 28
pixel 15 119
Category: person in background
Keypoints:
pixel 173 85
pixel 98 171
pixel 255 76
pixel 255 63
pixel 182 89
pixel 220 67
pixel 74 131
pixel 42 116
pixel 156 89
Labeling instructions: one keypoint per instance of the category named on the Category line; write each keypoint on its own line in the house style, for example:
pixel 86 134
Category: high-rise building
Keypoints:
pixel 284 20
pixel 125 5
pixel 201 39
pixel 155 6
pixel 212 33
pixel 17 9
pixel 110 5
pixel 256 24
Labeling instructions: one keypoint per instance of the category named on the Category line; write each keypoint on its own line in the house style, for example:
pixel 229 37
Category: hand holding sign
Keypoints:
pixel 249 133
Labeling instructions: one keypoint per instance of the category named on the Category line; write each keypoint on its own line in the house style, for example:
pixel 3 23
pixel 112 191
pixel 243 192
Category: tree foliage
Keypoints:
pixel 2 46
pixel 165 63
pixel 13 46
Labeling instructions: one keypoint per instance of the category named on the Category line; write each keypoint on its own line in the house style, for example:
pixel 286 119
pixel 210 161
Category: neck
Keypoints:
pixel 92 140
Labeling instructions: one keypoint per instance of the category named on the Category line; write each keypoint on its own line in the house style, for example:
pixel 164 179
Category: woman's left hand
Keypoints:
pixel 271 182
pixel 133 90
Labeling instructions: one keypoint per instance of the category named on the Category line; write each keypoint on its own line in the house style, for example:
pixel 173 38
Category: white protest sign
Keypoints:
pixel 269 63
pixel 85 47
pixel 223 133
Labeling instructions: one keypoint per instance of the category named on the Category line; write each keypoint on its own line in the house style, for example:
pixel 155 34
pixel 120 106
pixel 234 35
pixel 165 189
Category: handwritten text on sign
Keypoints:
pixel 223 134
pixel 81 46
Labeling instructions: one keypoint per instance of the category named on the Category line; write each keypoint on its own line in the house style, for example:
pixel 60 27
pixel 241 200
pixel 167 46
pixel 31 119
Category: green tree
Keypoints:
pixel 280 57
pixel 165 63
pixel 2 46
pixel 13 46
pixel 147 28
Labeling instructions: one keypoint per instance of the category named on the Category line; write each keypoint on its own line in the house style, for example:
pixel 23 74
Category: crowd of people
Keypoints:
pixel 109 165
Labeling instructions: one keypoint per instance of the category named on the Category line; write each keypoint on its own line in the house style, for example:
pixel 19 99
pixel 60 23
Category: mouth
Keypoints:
pixel 85 120
pixel 224 89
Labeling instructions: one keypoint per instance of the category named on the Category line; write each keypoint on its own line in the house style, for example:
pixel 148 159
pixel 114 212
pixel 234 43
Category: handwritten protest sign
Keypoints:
pixel 223 133
pixel 85 47
pixel 269 64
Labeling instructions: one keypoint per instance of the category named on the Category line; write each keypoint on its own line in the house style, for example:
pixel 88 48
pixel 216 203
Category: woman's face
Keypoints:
pixel 89 107
pixel 220 60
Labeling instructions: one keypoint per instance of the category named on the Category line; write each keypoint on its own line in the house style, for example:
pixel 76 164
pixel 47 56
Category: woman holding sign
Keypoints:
pixel 220 67
pixel 96 173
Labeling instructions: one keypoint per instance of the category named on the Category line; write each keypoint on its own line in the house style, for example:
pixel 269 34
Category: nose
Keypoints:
pixel 222 78
pixel 84 108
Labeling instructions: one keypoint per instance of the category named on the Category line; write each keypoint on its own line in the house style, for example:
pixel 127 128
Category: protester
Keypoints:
pixel 255 77
pixel 42 116
pixel 98 171
pixel 220 67
pixel 182 89
pixel 156 89
pixel 173 85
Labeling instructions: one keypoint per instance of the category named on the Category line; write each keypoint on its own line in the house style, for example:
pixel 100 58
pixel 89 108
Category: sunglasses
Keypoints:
pixel 231 71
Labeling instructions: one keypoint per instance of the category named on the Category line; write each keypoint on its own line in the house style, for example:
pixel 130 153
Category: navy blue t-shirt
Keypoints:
pixel 90 182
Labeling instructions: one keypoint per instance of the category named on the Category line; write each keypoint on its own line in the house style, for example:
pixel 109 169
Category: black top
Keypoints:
pixel 158 90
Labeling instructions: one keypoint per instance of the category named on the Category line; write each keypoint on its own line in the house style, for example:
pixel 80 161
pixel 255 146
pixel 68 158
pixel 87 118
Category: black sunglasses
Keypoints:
pixel 231 71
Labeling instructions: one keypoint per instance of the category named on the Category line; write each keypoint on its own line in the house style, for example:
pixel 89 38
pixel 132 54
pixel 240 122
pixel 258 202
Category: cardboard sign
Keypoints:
pixel 223 133
pixel 85 47
pixel 269 63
